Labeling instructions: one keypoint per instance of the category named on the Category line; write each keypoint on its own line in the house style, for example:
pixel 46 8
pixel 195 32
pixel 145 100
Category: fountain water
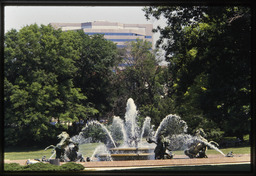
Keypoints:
pixel 171 125
pixel 96 123
pixel 118 126
pixel 180 141
pixel 130 135
pixel 212 146
pixel 131 123
pixel 146 126
pixel 183 141
pixel 101 151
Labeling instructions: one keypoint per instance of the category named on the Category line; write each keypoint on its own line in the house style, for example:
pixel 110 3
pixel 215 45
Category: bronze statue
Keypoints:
pixel 161 151
pixel 199 148
pixel 66 149
pixel 196 150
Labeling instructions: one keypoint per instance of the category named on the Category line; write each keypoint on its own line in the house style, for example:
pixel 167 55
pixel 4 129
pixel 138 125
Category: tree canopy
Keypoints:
pixel 143 80
pixel 209 53
pixel 42 68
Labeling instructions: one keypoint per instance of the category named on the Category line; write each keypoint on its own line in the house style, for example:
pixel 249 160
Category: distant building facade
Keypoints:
pixel 119 33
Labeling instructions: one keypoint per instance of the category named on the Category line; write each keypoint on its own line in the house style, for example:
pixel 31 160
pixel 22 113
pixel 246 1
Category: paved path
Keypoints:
pixel 180 160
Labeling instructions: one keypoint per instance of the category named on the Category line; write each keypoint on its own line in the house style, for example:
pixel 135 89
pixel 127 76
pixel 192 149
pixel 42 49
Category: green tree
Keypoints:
pixel 209 53
pixel 95 65
pixel 143 80
pixel 38 85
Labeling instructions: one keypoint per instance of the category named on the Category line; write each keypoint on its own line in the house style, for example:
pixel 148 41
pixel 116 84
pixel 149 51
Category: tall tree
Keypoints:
pixel 143 80
pixel 209 53
pixel 39 71
pixel 95 65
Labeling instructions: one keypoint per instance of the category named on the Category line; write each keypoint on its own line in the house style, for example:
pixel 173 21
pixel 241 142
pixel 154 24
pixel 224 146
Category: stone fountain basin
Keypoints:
pixel 127 156
pixel 130 153
pixel 130 150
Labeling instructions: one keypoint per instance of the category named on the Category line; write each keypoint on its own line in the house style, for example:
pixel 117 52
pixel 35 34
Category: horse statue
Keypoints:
pixel 199 148
pixel 66 149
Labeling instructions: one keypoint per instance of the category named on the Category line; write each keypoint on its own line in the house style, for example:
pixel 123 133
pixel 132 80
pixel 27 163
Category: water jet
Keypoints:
pixel 132 145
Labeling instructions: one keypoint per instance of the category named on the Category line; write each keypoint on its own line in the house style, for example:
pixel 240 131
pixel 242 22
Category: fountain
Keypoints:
pixel 96 123
pixel 146 126
pixel 66 150
pixel 132 147
pixel 101 151
pixel 126 137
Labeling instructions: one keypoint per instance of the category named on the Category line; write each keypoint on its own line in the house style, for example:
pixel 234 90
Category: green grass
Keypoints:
pixel 238 150
pixel 33 153
pixel 246 137
pixel 22 155
pixel 88 149
pixel 18 153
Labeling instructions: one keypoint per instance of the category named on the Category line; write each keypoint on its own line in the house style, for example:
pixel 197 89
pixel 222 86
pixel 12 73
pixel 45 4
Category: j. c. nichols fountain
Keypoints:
pixel 138 143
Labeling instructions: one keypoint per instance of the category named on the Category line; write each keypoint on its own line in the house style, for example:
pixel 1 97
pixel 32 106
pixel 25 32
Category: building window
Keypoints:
pixel 118 34
pixel 122 40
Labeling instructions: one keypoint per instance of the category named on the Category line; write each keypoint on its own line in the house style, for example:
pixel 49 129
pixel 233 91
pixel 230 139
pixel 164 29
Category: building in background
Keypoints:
pixel 119 33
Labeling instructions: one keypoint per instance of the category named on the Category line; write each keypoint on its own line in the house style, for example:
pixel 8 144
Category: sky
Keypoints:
pixel 19 16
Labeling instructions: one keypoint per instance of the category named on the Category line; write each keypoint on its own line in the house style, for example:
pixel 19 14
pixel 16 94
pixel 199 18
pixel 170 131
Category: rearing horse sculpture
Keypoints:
pixel 66 149
pixel 199 148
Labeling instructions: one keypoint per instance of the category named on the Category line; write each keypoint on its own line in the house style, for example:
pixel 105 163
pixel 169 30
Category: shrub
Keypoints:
pixel 96 133
pixel 42 167
pixel 215 135
pixel 12 167
pixel 72 167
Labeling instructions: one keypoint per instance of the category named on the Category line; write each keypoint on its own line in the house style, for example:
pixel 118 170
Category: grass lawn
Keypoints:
pixel 88 149
pixel 237 150
pixel 35 153
pixel 24 155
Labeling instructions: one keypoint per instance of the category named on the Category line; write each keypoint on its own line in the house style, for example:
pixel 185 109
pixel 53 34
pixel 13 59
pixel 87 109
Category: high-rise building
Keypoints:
pixel 119 33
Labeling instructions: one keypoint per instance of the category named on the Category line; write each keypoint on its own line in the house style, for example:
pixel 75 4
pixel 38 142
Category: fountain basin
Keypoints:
pixel 131 150
pixel 127 156
pixel 131 153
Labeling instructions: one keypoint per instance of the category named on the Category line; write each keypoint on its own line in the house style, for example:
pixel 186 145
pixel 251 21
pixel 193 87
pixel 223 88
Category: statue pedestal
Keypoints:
pixel 55 161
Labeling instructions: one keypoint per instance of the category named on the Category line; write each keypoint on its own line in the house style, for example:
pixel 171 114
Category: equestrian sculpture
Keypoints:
pixel 66 149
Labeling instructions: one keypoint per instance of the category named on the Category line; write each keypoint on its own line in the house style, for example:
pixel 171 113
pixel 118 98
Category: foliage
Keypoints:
pixel 116 131
pixel 43 167
pixel 12 167
pixel 209 53
pixel 39 86
pixel 96 63
pixel 96 133
pixel 143 80
pixel 72 167
pixel 73 77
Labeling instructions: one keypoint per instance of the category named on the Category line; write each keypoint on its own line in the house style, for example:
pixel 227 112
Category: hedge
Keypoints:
pixel 43 167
